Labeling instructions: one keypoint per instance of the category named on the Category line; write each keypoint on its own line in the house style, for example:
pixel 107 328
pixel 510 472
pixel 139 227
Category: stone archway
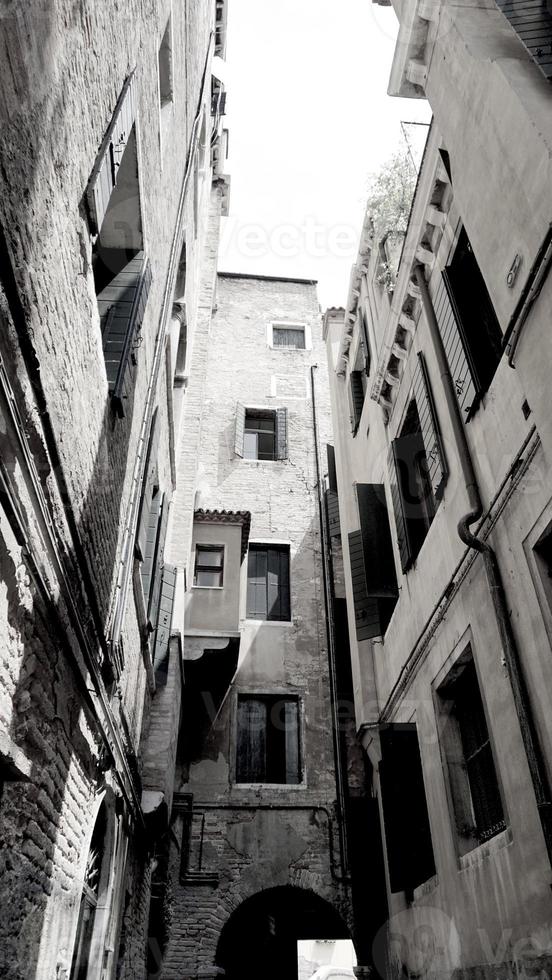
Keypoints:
pixel 259 940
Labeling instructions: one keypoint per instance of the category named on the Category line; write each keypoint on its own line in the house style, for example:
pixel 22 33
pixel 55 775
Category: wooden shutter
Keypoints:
pixel 239 429
pixel 357 397
pixel 291 722
pixel 379 563
pixel 150 478
pixel 332 510
pixel 251 748
pixel 461 369
pixel 164 622
pixel 406 820
pixel 366 342
pixel 281 433
pixel 366 609
pixel 401 526
pixel 104 174
pixel 431 434
pixel 157 569
pixel 332 472
pixel 121 306
pixel 256 583
pixel 532 22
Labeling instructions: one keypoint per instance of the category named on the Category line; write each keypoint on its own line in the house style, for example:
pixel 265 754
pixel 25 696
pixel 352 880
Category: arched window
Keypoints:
pixel 94 902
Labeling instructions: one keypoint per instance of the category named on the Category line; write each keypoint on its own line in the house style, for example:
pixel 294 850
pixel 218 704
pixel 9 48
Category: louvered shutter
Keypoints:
pixel 367 618
pixel 121 306
pixel 332 509
pixel 251 747
pixel 456 349
pixel 157 567
pixel 379 563
pixel 366 342
pixel 332 473
pixel 532 22
pixel 256 583
pixel 104 174
pixel 357 398
pixel 431 434
pixel 281 433
pixel 150 477
pixel 406 820
pixel 239 429
pixel 394 463
pixel 164 622
pixel 291 735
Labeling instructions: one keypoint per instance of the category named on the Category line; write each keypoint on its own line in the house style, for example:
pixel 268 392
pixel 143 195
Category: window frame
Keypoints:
pixel 458 786
pixel 209 547
pixel 281 547
pixel 289 325
pixel 274 697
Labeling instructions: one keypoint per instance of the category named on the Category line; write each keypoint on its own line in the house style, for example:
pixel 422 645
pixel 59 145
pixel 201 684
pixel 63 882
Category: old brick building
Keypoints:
pixel 441 413
pixel 111 191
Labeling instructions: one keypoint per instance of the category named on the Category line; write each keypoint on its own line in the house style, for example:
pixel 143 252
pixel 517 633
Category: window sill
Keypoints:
pixel 286 623
pixel 209 588
pixel 271 786
pixel 485 850
pixel 261 462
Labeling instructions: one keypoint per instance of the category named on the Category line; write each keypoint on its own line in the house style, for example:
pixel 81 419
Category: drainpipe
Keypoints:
pixel 510 652
pixel 330 635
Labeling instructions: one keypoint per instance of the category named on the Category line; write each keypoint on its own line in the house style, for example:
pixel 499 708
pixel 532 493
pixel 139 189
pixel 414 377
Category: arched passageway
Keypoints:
pixel 259 940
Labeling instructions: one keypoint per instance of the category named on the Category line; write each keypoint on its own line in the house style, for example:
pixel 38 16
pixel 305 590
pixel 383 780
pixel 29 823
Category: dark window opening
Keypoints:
pixel 357 389
pixel 268 740
pixel 209 565
pixel 373 574
pixel 268 594
pixel 365 342
pixel 406 820
pixel 418 504
pixel 479 329
pixel 473 779
pixel 259 438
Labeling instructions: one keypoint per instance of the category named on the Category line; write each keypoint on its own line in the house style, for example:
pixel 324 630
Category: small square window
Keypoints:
pixel 268 740
pixel 209 565
pixel 293 338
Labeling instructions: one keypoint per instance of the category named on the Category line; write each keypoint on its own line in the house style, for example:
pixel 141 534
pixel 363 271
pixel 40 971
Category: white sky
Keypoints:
pixel 309 120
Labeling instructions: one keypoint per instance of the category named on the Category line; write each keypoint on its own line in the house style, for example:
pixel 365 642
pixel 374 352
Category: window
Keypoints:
pixel 122 274
pixel 209 565
pixel 261 433
pixel 472 337
pixel 474 785
pixel 268 583
pixel 290 337
pixel 259 440
pixel 95 879
pixel 417 469
pixel 365 341
pixel 373 575
pixel 164 61
pixel 268 740
pixel 357 387
pixel 406 820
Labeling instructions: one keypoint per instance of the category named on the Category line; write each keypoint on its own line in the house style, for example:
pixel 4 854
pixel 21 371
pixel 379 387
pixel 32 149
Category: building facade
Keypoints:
pixel 111 152
pixel 256 858
pixel 443 475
